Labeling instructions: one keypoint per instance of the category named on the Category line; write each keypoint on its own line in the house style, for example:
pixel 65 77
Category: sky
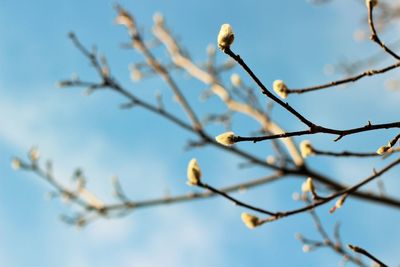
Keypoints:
pixel 285 39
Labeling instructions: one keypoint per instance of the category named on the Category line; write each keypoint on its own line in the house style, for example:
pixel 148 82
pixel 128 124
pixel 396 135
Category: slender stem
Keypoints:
pixel 374 36
pixel 344 81
pixel 367 254
pixel 317 129
pixel 265 91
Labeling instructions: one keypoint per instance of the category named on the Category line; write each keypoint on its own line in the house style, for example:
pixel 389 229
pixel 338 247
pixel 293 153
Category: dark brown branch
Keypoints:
pixel 319 129
pixel 345 153
pixel 344 81
pixel 323 200
pixel 234 200
pixel 374 36
pixel 265 91
pixel 313 128
pixel 367 254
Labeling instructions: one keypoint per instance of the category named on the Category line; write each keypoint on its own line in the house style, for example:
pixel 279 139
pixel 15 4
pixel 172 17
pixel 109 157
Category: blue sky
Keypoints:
pixel 286 39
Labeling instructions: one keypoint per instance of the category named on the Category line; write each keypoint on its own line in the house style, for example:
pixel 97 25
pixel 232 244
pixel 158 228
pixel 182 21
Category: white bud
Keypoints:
pixel 339 203
pixel 158 18
pixel 235 80
pixel 280 88
pixel 308 186
pixel 136 74
pixel 306 248
pixel 225 37
pixel 249 220
pixel 226 139
pixel 306 149
pixel 124 18
pixel 193 172
pixel 34 154
pixel 271 160
pixel 16 163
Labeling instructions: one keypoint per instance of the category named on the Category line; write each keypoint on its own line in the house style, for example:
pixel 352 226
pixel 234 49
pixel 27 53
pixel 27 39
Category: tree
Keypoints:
pixel 246 97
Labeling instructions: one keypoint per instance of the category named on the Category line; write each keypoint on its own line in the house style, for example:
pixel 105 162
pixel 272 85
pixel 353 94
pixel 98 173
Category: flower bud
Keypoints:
pixel 34 154
pixel 340 201
pixel 235 80
pixel 193 172
pixel 382 150
pixel 306 149
pixel 158 19
pixel 225 37
pixel 280 88
pixel 16 163
pixel 136 74
pixel 249 220
pixel 226 139
pixel 123 18
pixel 308 186
pixel 306 248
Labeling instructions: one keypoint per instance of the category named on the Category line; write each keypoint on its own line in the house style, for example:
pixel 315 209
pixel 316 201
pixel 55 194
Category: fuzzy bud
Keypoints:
pixel 306 248
pixel 306 149
pixel 136 74
pixel 382 150
pixel 124 18
pixel 308 186
pixel 280 88
pixel 34 154
pixel 340 201
pixel 226 139
pixel 193 172
pixel 158 19
pixel 235 80
pixel 225 37
pixel 249 220
pixel 16 164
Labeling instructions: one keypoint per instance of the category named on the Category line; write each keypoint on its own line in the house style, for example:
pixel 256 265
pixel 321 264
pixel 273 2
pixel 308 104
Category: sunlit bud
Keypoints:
pixel 306 148
pixel 193 172
pixel 280 88
pixel 105 70
pixel 382 150
pixel 371 3
pixel 16 163
pixel 249 220
pixel 226 139
pixel 124 18
pixel 34 154
pixel 306 248
pixel 225 37
pixel 235 80
pixel 158 18
pixel 136 74
pixel 340 201
pixel 271 160
pixel 308 186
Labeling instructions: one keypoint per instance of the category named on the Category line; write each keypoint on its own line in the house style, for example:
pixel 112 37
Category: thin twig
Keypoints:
pixel 367 254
